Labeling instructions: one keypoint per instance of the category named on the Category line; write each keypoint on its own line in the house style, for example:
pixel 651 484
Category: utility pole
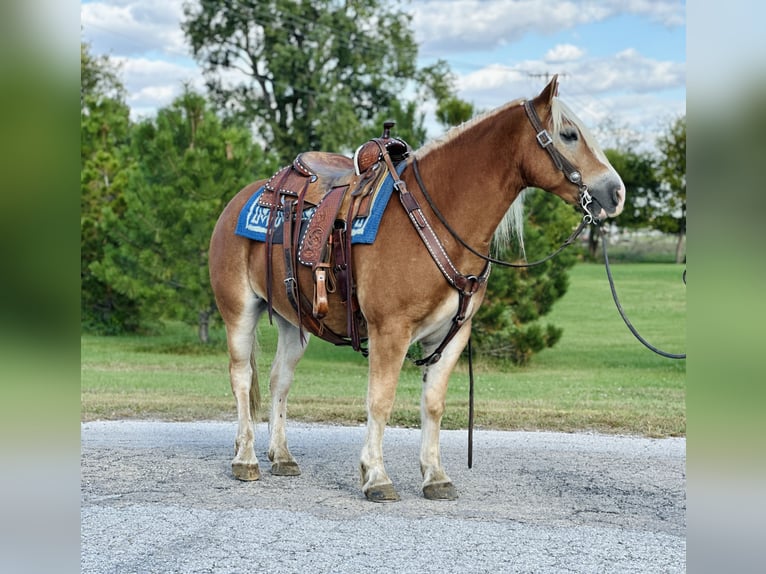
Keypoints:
pixel 547 75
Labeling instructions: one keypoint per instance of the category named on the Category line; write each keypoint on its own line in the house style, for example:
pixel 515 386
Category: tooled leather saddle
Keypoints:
pixel 340 189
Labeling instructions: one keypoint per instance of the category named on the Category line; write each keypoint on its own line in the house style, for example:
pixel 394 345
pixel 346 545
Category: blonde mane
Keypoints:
pixel 512 224
pixel 455 131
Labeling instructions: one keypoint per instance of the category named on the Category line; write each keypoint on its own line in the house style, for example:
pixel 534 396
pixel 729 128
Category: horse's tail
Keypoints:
pixel 255 389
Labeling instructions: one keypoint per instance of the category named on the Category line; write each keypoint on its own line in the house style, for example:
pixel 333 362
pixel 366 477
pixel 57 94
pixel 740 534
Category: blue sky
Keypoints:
pixel 622 62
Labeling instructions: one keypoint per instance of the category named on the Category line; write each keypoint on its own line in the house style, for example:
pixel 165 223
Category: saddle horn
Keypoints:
pixel 387 125
pixel 368 154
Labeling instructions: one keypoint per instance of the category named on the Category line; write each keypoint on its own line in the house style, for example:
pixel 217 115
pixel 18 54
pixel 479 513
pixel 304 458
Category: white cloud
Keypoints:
pixel 133 27
pixel 152 84
pixel 462 25
pixel 628 89
pixel 564 53
pixel 145 37
pixel 627 71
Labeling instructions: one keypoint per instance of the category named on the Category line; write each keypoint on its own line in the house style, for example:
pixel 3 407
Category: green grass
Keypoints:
pixel 597 378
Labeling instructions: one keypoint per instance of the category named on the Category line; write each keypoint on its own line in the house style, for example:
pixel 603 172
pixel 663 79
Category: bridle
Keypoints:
pixel 562 164
pixel 585 200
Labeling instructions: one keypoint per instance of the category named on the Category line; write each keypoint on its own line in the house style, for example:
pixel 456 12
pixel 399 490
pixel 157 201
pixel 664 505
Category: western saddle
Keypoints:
pixel 340 189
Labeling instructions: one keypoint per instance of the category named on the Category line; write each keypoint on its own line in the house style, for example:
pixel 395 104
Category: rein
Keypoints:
pixel 630 326
pixel 588 219
pixel 571 239
pixel 572 174
pixel 467 285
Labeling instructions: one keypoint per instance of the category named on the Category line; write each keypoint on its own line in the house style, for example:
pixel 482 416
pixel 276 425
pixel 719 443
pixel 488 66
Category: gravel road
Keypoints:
pixel 159 497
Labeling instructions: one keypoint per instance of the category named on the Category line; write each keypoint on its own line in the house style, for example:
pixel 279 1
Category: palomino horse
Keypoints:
pixel 473 176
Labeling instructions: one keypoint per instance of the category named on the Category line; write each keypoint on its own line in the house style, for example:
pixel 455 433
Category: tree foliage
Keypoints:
pixel 309 74
pixel 453 111
pixel 671 215
pixel 507 324
pixel 104 133
pixel 188 167
pixel 639 174
pixel 655 185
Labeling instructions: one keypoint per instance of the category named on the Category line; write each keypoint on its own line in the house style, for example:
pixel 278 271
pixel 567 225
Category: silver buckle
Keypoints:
pixel 544 138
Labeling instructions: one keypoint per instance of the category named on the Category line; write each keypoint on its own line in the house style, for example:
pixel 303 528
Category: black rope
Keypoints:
pixel 622 313
pixel 470 403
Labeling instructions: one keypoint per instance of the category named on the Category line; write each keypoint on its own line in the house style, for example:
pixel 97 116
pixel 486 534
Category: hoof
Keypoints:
pixel 289 468
pixel 382 493
pixel 440 491
pixel 245 471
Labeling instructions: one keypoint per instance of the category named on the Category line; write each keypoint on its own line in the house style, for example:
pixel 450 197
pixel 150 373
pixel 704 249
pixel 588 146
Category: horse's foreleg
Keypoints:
pixel 436 484
pixel 387 354
pixel 244 385
pixel 289 352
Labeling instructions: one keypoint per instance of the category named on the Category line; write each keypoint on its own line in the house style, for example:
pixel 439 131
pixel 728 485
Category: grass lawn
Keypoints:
pixel 597 378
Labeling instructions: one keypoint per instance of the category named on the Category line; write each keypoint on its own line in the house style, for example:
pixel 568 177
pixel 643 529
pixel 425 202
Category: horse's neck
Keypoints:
pixel 474 177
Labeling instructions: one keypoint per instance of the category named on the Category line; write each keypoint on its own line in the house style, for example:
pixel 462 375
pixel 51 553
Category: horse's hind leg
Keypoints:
pixel 240 333
pixel 436 484
pixel 289 352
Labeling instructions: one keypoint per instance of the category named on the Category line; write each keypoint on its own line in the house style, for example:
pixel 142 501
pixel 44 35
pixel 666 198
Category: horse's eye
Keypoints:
pixel 569 135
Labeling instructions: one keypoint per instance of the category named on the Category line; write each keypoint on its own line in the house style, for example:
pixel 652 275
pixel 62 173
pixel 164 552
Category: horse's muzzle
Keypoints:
pixel 608 194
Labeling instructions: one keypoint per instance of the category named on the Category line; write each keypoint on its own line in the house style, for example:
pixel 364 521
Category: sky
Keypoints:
pixel 621 63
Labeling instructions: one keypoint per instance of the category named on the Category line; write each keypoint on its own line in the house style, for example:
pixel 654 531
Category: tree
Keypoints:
pixel 309 74
pixel 104 135
pixel 670 198
pixel 189 166
pixel 507 324
pixel 639 174
pixel 655 186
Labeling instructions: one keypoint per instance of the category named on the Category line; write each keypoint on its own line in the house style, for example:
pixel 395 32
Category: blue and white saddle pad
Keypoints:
pixel 254 219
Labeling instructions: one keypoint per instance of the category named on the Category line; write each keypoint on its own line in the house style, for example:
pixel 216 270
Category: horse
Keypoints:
pixel 473 175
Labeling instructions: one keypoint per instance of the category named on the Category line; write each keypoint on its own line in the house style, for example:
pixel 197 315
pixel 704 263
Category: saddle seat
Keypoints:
pixel 312 175
pixel 324 165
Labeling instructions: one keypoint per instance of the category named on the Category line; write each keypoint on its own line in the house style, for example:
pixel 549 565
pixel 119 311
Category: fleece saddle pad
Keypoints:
pixel 254 219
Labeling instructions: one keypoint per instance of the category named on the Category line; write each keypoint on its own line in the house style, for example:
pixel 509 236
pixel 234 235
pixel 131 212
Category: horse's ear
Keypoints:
pixel 551 90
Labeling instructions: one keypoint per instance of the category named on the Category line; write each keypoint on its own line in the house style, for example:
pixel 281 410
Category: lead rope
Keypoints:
pixel 622 313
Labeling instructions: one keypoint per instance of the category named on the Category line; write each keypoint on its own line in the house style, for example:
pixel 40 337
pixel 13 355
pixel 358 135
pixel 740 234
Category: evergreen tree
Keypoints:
pixel 105 168
pixel 189 166
pixel 507 324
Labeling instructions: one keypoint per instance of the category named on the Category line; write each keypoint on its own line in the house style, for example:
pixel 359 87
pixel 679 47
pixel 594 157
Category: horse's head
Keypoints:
pixel 567 160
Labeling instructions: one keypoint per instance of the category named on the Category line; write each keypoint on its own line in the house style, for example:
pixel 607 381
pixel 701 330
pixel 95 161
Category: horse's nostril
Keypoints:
pixel 617 195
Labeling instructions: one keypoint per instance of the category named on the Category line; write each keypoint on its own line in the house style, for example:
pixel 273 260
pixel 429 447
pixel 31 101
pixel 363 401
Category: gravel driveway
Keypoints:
pixel 159 497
